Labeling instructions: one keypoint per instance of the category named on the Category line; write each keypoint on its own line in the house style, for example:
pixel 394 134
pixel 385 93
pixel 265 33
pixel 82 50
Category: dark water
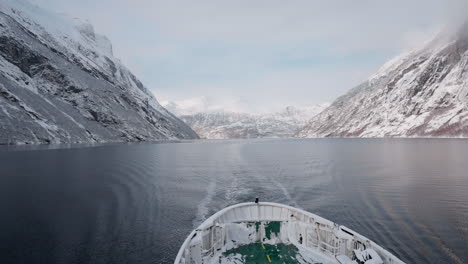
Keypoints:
pixel 136 203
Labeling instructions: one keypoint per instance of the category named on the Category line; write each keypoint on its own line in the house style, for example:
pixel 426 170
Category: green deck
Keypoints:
pixel 259 253
pixel 270 227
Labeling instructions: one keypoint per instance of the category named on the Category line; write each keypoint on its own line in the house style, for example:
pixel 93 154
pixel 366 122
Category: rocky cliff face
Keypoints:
pixel 423 93
pixel 59 82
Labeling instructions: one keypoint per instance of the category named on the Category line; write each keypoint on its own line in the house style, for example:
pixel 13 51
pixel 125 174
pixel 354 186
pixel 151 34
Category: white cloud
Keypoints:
pixel 201 104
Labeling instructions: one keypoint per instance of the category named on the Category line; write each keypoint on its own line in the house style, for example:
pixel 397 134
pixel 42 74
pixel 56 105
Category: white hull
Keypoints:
pixel 327 241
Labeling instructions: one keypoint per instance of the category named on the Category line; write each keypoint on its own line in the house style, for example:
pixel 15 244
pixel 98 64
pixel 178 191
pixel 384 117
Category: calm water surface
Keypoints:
pixel 137 203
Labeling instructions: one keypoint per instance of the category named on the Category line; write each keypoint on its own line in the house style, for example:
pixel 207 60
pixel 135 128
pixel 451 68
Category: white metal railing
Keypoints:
pixel 326 240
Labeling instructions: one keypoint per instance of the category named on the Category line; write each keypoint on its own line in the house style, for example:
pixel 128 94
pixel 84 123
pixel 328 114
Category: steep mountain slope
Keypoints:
pixel 59 82
pixel 230 125
pixel 419 94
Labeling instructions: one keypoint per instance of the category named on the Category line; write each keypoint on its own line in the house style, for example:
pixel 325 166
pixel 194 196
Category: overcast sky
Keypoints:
pixel 260 55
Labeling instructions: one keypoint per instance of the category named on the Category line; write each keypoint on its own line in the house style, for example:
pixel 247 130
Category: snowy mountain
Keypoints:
pixel 59 82
pixel 419 94
pixel 229 125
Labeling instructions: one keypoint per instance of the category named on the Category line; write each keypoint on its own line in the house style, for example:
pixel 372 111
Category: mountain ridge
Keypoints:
pixel 60 83
pixel 423 93
pixel 220 124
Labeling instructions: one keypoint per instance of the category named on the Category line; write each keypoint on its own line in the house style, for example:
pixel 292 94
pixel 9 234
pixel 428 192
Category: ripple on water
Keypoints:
pixel 137 203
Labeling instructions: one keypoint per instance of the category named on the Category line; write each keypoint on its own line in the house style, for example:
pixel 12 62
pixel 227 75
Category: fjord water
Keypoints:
pixel 136 203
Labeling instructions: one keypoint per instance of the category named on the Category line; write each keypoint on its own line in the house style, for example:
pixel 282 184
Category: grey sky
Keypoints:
pixel 260 54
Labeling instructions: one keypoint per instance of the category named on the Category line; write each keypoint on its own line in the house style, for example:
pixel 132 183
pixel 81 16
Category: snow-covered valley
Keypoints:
pixel 222 124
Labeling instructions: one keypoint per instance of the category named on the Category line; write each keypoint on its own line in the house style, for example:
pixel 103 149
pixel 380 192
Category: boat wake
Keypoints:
pixel 283 189
pixel 203 206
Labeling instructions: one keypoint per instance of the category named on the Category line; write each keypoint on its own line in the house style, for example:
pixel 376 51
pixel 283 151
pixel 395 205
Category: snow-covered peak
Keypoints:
pixel 428 48
pixel 215 122
pixel 80 91
pixel 390 66
pixel 304 113
pixel 204 104
pixel 101 42
pixel 189 106
pixel 420 93
pixel 77 40
pixel 207 105
pixel 56 27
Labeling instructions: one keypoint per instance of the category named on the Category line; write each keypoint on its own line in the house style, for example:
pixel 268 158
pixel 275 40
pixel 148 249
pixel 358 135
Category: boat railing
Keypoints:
pixel 319 233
